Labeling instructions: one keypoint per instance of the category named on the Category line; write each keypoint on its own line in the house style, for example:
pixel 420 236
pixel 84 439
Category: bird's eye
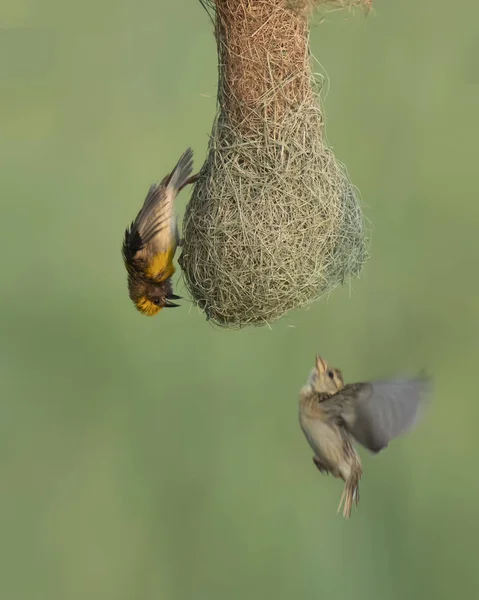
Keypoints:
pixel 156 301
pixel 330 374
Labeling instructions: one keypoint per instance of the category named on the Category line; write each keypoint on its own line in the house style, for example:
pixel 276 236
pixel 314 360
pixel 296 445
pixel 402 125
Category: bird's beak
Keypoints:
pixel 169 304
pixel 173 297
pixel 321 364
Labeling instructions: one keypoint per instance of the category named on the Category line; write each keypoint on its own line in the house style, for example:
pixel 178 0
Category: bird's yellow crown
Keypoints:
pixel 147 307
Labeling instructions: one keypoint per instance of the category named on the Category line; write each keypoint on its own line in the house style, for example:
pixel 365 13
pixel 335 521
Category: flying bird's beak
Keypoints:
pixel 321 364
pixel 173 297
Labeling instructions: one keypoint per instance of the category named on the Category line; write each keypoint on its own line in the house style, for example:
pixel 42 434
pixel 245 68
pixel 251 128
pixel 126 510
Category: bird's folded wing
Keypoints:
pixel 154 231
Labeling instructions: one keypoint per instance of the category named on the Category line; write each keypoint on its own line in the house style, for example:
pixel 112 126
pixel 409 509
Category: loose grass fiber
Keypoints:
pixel 274 221
pixel 307 7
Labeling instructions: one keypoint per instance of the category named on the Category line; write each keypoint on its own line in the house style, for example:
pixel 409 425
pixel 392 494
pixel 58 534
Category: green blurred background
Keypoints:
pixel 161 458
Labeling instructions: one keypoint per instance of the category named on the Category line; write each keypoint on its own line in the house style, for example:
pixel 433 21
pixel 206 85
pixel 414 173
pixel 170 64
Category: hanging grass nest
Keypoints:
pixel 274 222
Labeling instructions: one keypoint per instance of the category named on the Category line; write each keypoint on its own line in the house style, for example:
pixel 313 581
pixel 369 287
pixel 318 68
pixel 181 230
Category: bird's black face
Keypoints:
pixel 161 296
pixel 150 298
pixel 155 296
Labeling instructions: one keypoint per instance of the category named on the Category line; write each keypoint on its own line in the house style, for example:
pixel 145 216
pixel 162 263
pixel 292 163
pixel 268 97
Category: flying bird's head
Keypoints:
pixel 150 298
pixel 324 379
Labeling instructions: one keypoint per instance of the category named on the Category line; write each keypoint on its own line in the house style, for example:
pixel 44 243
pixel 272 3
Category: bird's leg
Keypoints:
pixel 322 468
pixel 190 180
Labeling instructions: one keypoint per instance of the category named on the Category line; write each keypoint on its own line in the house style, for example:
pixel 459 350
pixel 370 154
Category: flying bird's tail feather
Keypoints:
pixel 350 493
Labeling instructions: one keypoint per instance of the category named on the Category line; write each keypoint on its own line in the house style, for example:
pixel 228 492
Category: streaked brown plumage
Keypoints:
pixel 332 415
pixel 150 242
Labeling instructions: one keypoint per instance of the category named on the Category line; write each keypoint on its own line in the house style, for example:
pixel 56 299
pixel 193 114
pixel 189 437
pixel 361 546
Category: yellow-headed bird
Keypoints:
pixel 150 242
pixel 332 415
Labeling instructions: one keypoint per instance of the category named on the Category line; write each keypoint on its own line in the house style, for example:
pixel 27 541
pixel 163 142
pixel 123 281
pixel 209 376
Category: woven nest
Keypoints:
pixel 274 221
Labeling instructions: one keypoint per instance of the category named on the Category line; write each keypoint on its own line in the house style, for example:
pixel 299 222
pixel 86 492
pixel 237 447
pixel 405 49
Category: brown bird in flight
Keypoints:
pixel 332 414
pixel 150 242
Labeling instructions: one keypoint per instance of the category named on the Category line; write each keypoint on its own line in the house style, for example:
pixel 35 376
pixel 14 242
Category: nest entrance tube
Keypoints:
pixel 274 221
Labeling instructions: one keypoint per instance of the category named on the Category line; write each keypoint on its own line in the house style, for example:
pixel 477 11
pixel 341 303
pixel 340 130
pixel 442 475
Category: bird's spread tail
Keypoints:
pixel 180 174
pixel 350 493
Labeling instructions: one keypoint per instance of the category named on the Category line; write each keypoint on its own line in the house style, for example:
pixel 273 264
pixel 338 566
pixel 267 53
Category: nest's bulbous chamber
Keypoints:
pixel 273 222
pixel 269 227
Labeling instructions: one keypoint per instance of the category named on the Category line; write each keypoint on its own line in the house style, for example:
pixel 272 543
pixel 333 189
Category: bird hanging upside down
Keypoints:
pixel 150 242
pixel 332 414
